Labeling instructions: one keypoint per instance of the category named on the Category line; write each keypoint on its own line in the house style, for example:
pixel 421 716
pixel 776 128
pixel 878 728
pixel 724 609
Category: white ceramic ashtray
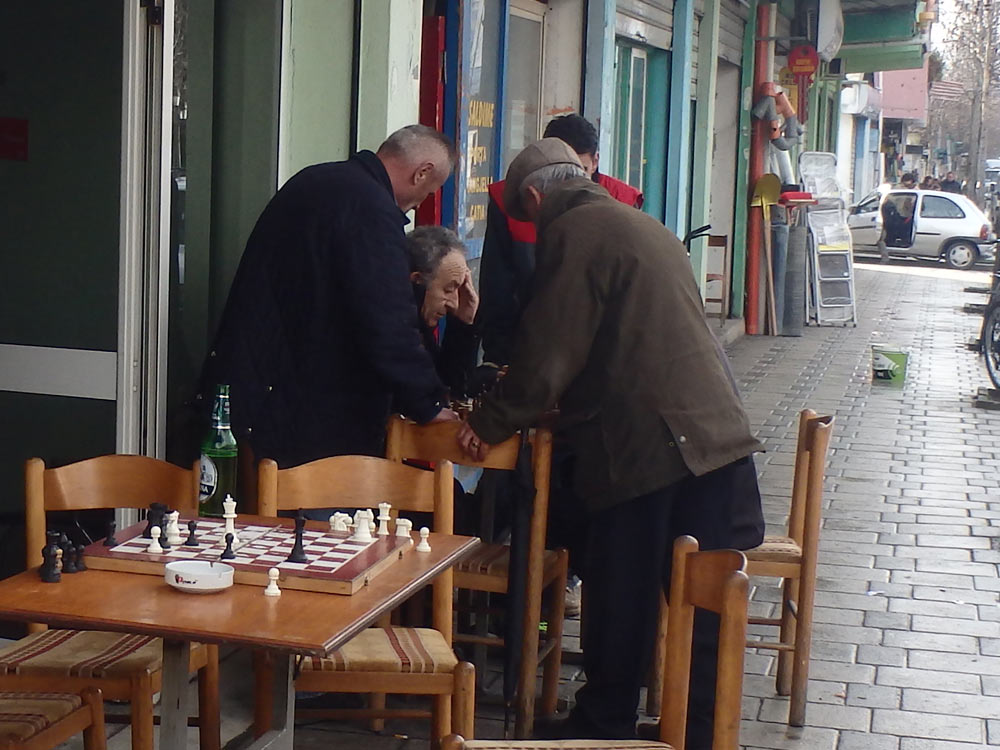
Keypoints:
pixel 198 576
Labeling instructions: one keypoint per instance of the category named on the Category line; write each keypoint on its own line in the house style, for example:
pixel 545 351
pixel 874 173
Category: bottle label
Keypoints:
pixel 209 478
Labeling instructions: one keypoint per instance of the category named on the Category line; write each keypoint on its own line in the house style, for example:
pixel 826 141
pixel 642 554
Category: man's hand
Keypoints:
pixel 468 300
pixel 445 415
pixel 471 444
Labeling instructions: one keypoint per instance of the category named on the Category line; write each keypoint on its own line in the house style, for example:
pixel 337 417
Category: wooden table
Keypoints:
pixel 240 615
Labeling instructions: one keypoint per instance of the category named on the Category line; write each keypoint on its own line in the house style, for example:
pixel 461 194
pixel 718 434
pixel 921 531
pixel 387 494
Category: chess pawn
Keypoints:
pixel 49 572
pixel 424 546
pixel 154 547
pixel 80 562
pixel 272 583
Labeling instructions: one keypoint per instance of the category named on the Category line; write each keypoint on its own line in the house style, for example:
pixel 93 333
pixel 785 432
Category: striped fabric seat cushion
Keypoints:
pixel 776 549
pixel 395 650
pixel 81 653
pixel 566 745
pixel 23 715
pixel 494 560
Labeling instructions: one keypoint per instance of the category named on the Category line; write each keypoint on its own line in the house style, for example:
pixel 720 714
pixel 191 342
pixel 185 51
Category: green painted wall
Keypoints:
pixel 887 25
pixel 743 169
pixel 315 84
pixel 655 146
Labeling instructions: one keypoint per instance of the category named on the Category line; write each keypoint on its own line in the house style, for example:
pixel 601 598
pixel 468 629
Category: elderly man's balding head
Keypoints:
pixel 418 160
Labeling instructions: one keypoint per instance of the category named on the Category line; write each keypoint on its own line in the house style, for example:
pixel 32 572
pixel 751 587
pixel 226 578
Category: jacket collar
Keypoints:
pixel 567 196
pixel 373 166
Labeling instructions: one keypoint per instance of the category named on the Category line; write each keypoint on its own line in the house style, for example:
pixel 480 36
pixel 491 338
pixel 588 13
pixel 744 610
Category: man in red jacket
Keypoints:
pixel 509 246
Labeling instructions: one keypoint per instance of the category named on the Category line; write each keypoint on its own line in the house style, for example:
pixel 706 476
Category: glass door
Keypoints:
pixel 630 115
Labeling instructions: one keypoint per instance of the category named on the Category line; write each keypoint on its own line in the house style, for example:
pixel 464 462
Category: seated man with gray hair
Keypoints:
pixel 615 333
pixel 446 302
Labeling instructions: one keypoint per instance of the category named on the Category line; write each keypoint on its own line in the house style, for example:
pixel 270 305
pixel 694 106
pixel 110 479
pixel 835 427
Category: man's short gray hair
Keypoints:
pixel 408 142
pixel 427 246
pixel 544 178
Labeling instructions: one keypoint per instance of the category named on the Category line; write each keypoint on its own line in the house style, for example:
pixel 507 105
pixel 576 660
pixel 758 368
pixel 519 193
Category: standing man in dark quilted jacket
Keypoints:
pixel 509 246
pixel 320 333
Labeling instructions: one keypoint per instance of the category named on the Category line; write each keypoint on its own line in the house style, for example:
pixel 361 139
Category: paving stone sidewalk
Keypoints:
pixel 906 653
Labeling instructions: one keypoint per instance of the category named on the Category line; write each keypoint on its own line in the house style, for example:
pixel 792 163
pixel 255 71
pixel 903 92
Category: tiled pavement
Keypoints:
pixel 907 642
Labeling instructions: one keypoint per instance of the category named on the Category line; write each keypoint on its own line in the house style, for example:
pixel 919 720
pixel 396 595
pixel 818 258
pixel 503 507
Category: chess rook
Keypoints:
pixel 362 529
pixel 403 528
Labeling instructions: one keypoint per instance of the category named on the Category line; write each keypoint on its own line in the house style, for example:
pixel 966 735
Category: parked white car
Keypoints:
pixel 923 224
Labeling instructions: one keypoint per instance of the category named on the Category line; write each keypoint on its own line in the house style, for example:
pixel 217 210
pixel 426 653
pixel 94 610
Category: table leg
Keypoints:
pixel 174 708
pixel 282 720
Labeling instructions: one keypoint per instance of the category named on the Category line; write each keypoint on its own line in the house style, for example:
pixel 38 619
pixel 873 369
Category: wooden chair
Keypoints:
pixel 40 721
pixel 486 569
pixel 712 580
pixel 716 241
pixel 793 559
pixel 380 660
pixel 124 667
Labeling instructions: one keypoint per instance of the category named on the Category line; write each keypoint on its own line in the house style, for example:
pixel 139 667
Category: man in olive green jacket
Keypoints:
pixel 615 334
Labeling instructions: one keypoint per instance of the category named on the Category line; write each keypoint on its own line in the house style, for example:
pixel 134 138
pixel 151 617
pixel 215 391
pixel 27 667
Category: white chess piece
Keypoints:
pixel 403 528
pixel 362 531
pixel 370 515
pixel 229 514
pixel 345 521
pixel 174 537
pixel 383 518
pixel 424 546
pixel 272 583
pixel 154 547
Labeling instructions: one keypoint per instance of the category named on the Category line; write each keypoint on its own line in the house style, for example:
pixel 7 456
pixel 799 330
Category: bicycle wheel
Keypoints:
pixel 991 345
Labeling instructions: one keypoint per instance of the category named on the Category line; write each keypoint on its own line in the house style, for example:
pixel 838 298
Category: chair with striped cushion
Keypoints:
pixel 124 667
pixel 380 660
pixel 715 581
pixel 487 567
pixel 40 721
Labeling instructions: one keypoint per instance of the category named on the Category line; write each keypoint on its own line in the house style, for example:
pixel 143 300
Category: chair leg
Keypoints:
pixel 141 710
pixel 463 701
pixel 803 646
pixel 787 634
pixel 376 701
pixel 654 682
pixel 557 616
pixel 263 701
pixel 208 701
pixel 94 736
pixel 440 718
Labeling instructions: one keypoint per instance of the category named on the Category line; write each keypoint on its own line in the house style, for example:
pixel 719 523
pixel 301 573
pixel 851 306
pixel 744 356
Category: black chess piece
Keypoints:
pixel 69 559
pixel 49 571
pixel 109 539
pixel 154 517
pixel 192 540
pixel 298 553
pixel 81 564
pixel 227 553
pixel 163 539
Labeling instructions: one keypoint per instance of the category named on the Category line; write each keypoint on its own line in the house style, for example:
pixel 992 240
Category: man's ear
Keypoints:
pixel 416 278
pixel 423 172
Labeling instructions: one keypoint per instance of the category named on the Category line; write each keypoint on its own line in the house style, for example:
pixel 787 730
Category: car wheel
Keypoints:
pixel 991 345
pixel 961 255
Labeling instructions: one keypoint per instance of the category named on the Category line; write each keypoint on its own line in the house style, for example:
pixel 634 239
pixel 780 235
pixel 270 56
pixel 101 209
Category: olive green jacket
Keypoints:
pixel 615 333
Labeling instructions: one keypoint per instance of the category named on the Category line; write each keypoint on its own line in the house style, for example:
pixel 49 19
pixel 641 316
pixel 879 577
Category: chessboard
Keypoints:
pixel 336 565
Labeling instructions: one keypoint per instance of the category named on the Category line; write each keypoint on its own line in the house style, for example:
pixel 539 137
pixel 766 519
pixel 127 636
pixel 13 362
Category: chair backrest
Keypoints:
pixel 116 481
pixel 364 482
pixel 713 580
pixel 437 442
pixel 810 467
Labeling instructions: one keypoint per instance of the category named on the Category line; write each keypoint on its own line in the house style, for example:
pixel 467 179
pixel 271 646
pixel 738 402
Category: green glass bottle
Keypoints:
pixel 218 458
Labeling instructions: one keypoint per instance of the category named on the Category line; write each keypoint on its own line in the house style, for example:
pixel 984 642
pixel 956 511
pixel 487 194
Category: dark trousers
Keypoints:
pixel 627 563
